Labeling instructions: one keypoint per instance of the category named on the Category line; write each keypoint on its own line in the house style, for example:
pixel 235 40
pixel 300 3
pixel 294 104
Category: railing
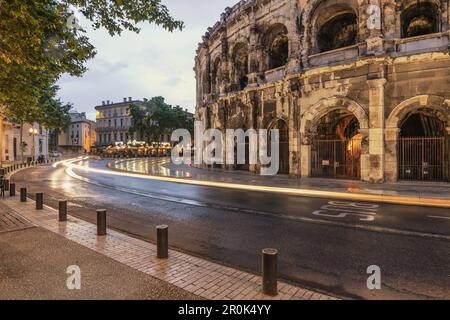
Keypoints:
pixel 422 159
pixel 425 43
pixel 334 56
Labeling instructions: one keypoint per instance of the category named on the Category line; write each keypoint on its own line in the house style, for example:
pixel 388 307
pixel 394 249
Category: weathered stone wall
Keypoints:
pixel 378 78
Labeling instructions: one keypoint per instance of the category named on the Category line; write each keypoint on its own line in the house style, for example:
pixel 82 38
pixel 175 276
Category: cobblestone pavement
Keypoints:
pixel 198 276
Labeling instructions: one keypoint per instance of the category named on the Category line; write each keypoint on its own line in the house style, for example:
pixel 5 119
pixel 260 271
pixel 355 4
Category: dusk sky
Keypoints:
pixel 152 63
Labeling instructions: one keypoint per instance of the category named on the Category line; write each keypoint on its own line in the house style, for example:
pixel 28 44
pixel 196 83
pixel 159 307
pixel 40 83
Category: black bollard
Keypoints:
pixel 270 272
pixel 101 222
pixel 12 189
pixel 162 241
pixel 23 194
pixel 39 201
pixel 63 210
pixel 6 185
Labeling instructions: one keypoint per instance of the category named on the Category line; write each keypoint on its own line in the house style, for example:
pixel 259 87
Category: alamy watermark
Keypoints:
pixel 74 279
pixel 240 147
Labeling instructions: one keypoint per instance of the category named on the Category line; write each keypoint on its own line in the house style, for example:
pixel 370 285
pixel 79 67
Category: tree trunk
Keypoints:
pixel 21 142
pixel 2 139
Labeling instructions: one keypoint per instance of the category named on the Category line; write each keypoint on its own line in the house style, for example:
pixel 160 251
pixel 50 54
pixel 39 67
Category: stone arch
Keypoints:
pixel 436 103
pixel 324 106
pixel 276 39
pixel 215 75
pixel 420 17
pixel 422 103
pixel 240 58
pixel 282 124
pixel 331 24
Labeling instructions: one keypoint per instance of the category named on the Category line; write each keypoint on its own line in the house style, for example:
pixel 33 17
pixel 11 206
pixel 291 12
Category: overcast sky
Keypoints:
pixel 151 63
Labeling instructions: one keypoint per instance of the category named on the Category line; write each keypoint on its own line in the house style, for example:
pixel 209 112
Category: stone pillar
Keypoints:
pixel 376 131
pixel 390 158
pixel 305 160
pixel 294 136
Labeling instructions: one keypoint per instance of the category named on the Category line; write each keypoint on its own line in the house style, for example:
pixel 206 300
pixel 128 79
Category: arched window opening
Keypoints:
pixel 240 61
pixel 420 19
pixel 336 148
pixel 422 124
pixel 279 52
pixel 215 77
pixel 338 32
pixel 421 147
pixel 281 125
pixel 277 42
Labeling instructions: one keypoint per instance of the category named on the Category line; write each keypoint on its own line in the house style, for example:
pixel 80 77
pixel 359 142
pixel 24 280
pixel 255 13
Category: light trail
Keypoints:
pixel 403 200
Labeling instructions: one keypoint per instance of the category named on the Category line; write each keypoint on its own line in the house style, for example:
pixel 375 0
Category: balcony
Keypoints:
pixel 425 43
pixel 334 56
pixel 275 75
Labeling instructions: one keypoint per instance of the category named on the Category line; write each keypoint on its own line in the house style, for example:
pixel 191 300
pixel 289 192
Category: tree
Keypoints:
pixel 158 118
pixel 39 43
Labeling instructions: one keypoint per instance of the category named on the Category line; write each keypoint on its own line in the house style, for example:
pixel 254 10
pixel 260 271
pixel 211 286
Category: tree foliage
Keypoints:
pixel 38 43
pixel 158 118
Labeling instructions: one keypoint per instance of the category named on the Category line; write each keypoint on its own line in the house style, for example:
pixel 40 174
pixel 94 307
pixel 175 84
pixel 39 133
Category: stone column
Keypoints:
pixel 376 131
pixel 390 158
pixel 305 160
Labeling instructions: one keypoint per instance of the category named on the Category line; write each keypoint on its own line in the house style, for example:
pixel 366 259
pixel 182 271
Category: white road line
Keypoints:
pixel 438 217
pixel 71 173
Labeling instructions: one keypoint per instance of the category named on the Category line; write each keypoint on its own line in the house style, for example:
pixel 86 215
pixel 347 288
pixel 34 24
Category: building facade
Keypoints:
pixel 113 121
pixel 358 89
pixel 79 137
pixel 34 137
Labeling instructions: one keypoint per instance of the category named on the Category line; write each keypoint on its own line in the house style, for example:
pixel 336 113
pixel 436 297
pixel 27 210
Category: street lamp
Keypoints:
pixel 33 133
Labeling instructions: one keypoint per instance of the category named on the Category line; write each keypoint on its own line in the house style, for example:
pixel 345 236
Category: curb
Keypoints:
pixel 390 199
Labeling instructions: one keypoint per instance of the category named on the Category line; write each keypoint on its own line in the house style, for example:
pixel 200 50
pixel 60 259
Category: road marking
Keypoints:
pixel 438 217
pixel 364 211
pixel 71 173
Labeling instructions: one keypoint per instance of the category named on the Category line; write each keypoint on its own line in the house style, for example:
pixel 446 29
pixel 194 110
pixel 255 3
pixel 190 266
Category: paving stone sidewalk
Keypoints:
pixel 11 221
pixel 198 276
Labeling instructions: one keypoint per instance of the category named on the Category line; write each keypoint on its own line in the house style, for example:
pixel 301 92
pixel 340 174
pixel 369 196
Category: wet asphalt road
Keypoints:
pixel 320 247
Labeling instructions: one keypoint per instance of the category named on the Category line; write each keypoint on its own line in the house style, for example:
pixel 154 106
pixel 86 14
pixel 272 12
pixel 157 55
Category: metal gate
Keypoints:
pixel 422 159
pixel 339 159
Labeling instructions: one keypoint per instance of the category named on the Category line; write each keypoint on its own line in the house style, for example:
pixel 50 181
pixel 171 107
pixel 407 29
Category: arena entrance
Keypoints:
pixel 336 149
pixel 423 148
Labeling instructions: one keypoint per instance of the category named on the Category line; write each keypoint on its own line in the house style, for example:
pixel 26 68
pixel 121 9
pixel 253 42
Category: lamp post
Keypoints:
pixel 33 133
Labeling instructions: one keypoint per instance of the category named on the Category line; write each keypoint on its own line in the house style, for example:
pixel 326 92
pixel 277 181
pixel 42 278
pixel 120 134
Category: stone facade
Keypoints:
pixel 332 71
pixel 79 137
pixel 113 122
pixel 35 145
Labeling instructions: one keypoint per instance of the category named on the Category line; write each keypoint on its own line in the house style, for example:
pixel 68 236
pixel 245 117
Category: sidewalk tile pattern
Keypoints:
pixel 11 221
pixel 201 277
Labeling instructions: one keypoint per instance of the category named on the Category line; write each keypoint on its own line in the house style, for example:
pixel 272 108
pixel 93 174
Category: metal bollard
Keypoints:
pixel 39 201
pixel 12 189
pixel 270 272
pixel 162 241
pixel 23 194
pixel 63 210
pixel 6 185
pixel 101 222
